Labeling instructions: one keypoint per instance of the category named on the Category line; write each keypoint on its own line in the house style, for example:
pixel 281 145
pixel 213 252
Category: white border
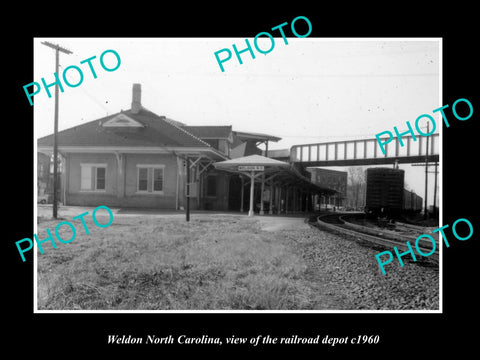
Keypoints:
pixel 439 311
pixel 440 178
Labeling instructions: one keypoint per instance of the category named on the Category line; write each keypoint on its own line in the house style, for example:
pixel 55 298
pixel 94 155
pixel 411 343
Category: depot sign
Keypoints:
pixel 251 168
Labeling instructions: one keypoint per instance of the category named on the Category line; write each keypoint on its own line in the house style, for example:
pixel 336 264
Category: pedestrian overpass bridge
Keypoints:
pixel 367 152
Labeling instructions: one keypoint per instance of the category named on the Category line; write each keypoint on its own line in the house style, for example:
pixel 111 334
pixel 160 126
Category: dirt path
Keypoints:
pixel 277 223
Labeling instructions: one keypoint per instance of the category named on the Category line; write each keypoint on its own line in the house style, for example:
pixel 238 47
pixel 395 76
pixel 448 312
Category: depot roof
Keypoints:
pixel 141 129
pixel 210 132
pixel 244 136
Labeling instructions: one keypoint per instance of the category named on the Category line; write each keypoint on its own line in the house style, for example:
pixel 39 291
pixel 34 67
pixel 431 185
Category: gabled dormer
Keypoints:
pixel 122 121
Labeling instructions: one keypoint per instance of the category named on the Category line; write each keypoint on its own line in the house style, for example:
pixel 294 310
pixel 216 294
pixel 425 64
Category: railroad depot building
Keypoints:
pixel 332 179
pixel 136 158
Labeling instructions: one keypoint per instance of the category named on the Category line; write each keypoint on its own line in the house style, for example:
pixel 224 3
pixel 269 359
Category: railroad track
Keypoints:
pixel 336 223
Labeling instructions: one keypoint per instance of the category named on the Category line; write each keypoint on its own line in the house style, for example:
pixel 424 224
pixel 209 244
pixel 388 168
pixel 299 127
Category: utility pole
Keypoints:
pixel 435 192
pixel 187 207
pixel 425 215
pixel 435 185
pixel 57 48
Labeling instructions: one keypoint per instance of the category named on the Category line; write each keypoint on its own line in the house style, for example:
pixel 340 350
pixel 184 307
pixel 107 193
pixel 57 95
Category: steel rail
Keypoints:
pixel 387 243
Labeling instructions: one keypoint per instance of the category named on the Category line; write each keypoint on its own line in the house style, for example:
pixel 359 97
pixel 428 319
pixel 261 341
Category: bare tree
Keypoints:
pixel 356 187
pixel 406 186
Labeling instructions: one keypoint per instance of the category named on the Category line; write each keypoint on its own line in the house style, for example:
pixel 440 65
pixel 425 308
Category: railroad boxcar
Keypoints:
pixel 407 200
pixel 385 192
pixel 418 203
pixel 412 203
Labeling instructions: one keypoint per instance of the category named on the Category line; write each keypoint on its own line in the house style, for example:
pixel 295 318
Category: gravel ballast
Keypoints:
pixel 347 276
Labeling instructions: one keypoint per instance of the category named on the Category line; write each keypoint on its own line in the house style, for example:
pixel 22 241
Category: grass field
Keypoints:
pixel 141 262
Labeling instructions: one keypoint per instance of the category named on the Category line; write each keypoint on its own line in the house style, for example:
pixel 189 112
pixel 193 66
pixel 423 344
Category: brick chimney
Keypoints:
pixel 136 98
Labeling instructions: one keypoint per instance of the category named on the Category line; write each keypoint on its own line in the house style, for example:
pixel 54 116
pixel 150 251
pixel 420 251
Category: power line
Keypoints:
pixel 95 100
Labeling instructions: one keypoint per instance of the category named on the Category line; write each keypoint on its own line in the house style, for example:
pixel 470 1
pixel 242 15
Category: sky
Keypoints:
pixel 311 90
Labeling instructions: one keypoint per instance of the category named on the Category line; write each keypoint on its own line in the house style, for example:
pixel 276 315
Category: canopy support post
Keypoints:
pixel 252 189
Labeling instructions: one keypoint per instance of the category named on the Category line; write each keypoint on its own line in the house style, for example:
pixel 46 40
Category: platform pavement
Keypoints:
pixel 268 222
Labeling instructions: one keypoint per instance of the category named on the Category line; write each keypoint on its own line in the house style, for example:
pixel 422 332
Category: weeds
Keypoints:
pixel 226 263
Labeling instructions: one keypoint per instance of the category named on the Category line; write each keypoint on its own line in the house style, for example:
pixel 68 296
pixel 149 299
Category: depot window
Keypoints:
pixel 150 179
pixel 93 177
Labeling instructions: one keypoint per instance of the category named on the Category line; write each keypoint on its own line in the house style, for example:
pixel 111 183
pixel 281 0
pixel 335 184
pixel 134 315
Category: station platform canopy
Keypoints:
pixel 270 172
pixel 280 171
